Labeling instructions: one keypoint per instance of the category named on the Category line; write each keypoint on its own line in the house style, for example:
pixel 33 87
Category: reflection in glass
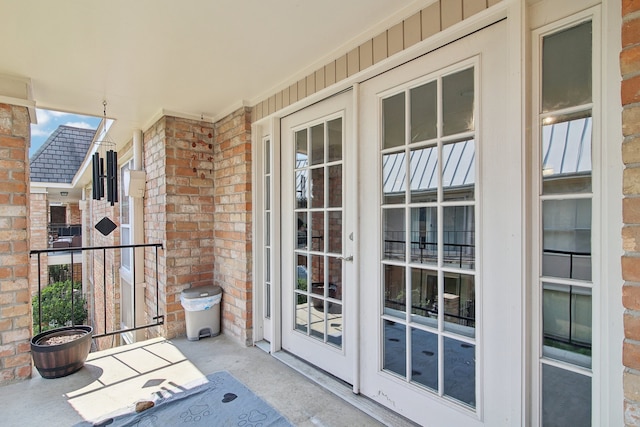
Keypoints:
pixel 301 272
pixel 267 229
pixel 566 398
pixel 395 297
pixel 317 274
pixel 459 300
pixel 335 232
pixel 335 278
pixel 457 102
pixel 303 227
pixel 566 315
pixel 394 177
pixel 460 371
pixel 393 121
pixel 424 235
pixel 424 113
pixel 302 188
pixel 267 192
pixel 423 174
pixel 566 238
pixel 335 186
pixel 267 264
pixel 395 348
pixel 458 170
pixel 317 231
pixel 302 312
pixel 424 296
pixel 393 230
pixel 334 325
pixel 424 358
pixel 317 319
pixel 302 151
pixel 335 139
pixel 317 144
pixel 458 236
pixel 317 187
pixel 267 156
pixel 566 68
pixel 566 154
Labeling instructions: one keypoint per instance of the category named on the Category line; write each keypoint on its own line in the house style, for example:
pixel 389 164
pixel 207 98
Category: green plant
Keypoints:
pixel 56 306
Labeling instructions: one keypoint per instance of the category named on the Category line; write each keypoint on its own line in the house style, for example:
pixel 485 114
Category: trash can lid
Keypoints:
pixel 201 292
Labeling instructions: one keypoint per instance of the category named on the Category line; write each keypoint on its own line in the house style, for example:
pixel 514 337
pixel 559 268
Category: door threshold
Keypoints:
pixel 342 390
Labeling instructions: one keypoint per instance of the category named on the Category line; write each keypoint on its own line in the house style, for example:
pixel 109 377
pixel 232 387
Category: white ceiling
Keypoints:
pixel 192 57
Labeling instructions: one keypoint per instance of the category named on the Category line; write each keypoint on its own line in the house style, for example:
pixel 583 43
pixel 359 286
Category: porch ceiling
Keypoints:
pixel 194 58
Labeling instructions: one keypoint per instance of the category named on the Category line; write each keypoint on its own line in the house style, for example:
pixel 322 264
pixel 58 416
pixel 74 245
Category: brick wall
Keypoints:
pixel 15 307
pixel 630 69
pixel 39 237
pixel 74 215
pixel 179 212
pixel 232 229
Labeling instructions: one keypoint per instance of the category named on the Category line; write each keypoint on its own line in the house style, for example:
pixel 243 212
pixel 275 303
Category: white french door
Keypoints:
pixel 317 208
pixel 440 229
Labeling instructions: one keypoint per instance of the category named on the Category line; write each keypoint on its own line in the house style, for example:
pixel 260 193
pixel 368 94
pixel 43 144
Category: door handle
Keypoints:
pixel 346 258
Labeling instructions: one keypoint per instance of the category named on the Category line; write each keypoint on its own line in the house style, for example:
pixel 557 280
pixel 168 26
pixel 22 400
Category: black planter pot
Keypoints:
pixel 59 360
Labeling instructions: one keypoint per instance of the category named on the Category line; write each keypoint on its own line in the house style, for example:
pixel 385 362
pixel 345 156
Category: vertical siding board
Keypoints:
pixel 341 68
pixel 320 79
pixel 380 47
pixel 272 104
pixel 311 84
pixel 330 73
pixel 353 62
pixel 257 112
pixel 395 39
pixel 302 88
pixel 471 7
pixel 293 93
pixel 285 97
pixel 412 30
pixel 451 13
pixel 278 100
pixel 430 20
pixel 492 2
pixel 366 54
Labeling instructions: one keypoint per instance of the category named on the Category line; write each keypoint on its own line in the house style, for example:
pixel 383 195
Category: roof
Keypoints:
pixel 60 157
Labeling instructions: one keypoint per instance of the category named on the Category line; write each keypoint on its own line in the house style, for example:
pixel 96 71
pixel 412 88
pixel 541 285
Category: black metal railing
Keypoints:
pixel 79 253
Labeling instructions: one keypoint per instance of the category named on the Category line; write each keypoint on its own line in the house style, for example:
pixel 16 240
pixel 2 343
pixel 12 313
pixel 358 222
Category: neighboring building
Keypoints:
pixel 444 215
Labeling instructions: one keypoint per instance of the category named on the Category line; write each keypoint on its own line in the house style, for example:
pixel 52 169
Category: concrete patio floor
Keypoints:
pixel 112 381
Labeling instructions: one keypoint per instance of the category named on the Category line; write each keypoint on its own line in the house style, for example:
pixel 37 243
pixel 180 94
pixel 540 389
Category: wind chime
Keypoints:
pixel 105 150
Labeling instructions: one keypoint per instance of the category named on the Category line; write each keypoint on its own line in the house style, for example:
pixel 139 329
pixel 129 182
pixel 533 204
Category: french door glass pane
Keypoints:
pixel 335 186
pixel 460 304
pixel 458 170
pixel 334 325
pixel 302 272
pixel 317 319
pixel 566 316
pixel 566 154
pixel 303 230
pixel 457 102
pixel 424 358
pixel 393 121
pixel 460 370
pixel 334 128
pixel 424 175
pixel 395 298
pixel 458 236
pixel 424 112
pixel 395 348
pixel 317 230
pixel 302 188
pixel 566 238
pixel 393 231
pixel 302 312
pixel 317 144
pixel 424 296
pixel 393 177
pixel 302 151
pixel 335 232
pixel 424 235
pixel 566 398
pixel 317 187
pixel 566 68
pixel 335 278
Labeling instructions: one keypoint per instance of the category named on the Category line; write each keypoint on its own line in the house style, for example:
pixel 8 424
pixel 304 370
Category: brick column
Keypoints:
pixel 39 238
pixel 232 228
pixel 630 69
pixel 15 307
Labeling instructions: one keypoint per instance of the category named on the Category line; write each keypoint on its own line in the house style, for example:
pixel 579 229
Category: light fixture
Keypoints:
pixel 64 193
pixel 105 150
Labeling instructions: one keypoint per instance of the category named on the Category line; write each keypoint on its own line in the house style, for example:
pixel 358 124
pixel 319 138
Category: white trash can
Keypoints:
pixel 202 311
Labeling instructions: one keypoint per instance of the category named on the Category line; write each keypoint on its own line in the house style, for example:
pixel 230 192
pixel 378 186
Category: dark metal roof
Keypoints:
pixel 60 157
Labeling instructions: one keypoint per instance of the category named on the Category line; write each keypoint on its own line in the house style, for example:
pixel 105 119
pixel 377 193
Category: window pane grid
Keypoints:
pixel 428 249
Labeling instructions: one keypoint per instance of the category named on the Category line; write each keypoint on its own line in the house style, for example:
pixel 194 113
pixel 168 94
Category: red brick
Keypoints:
pixel 629 6
pixel 631 354
pixel 630 33
pixel 631 296
pixel 632 325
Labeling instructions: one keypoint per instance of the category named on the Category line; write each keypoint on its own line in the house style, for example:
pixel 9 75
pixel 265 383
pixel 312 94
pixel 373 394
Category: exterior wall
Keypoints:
pixel 39 237
pixel 74 215
pixel 436 17
pixel 630 70
pixel 15 307
pixel 232 243
pixel 179 211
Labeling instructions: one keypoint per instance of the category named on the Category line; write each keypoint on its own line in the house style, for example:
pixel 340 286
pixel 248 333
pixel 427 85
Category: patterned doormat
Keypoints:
pixel 222 401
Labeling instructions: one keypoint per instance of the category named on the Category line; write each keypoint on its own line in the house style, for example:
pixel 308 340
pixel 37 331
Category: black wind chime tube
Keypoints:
pixel 112 177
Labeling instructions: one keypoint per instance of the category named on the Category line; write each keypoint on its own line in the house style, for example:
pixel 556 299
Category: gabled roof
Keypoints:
pixel 60 157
